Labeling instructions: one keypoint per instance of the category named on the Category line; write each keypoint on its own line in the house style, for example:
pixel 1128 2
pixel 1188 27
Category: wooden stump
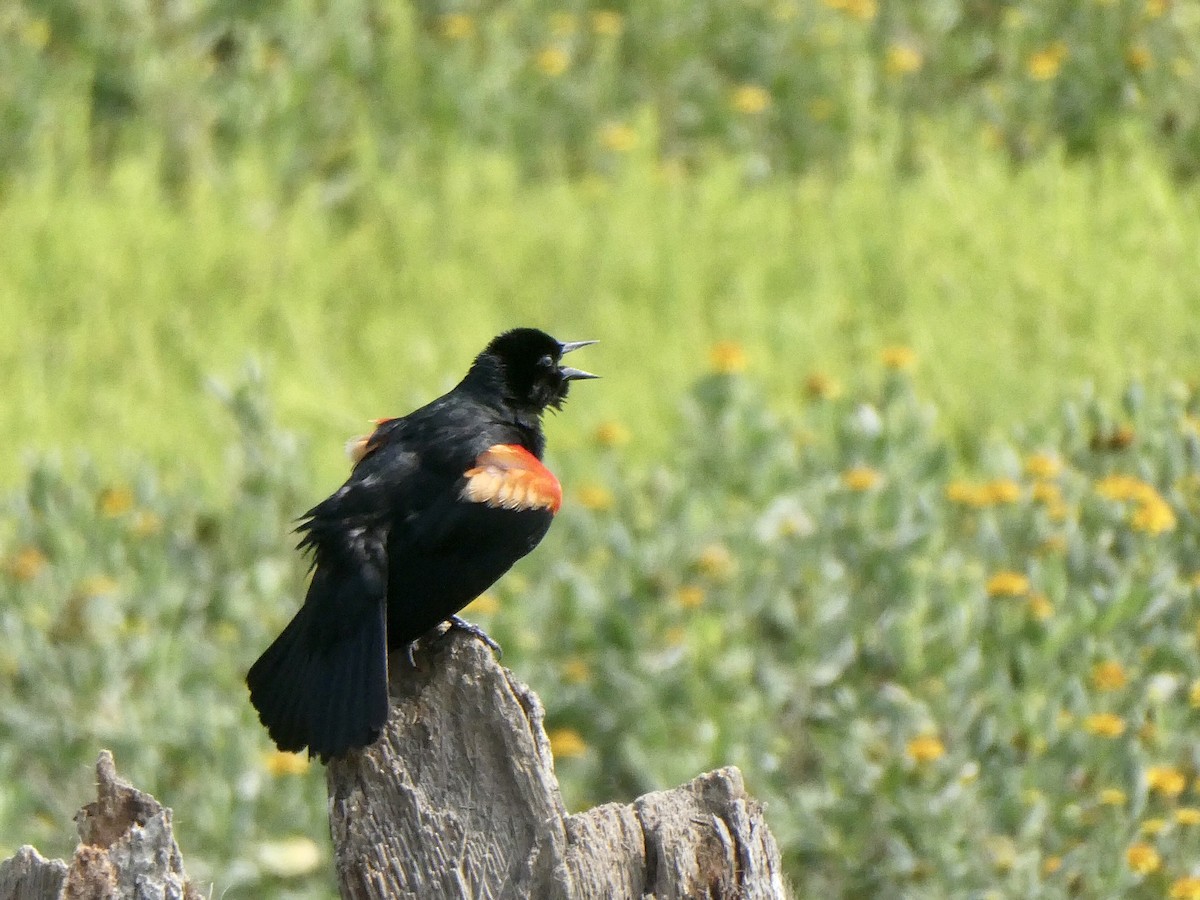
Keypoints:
pixel 126 849
pixel 458 799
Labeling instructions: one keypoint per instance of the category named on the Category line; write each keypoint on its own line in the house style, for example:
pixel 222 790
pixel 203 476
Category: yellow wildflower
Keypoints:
pixel 1046 63
pixel 1108 725
pixel 486 604
pixel 751 99
pixel 1125 487
pixel 690 596
pixel 675 635
pixel 1008 584
pixel 968 493
pixel 863 10
pixel 861 478
pixel 611 434
pixel 1194 694
pixel 1002 851
pixel 1043 465
pixel 898 358
pixel 1167 781
pixel 1058 511
pixel 1185 888
pixel 1003 490
pixel 1142 858
pixel 607 22
pixel 565 742
pixel 1054 543
pixel 98 586
pixel 716 562
pixel 595 497
pixel 1155 8
pixel 1187 815
pixel 925 748
pixel 617 137
pixel 1040 607
pixel 727 357
pixel 115 501
pixel 821 387
pixel 576 671
pixel 552 61
pixel 27 564
pixel 1108 675
pixel 1153 517
pixel 457 26
pixel 279 762
pixel 902 59
pixel 1153 827
pixel 1112 797
pixel 1138 57
pixel 1046 492
pixel 1051 864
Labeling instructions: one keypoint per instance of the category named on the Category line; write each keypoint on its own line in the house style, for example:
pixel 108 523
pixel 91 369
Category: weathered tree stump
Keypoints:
pixel 126 849
pixel 458 799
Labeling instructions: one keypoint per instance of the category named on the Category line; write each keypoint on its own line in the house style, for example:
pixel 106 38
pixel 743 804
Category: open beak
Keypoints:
pixel 567 372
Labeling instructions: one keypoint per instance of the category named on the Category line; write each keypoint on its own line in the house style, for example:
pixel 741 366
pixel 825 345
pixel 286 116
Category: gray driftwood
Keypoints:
pixel 458 799
pixel 126 850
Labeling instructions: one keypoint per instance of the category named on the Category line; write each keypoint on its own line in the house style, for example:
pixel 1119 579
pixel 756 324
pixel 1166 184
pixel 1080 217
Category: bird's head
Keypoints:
pixel 525 366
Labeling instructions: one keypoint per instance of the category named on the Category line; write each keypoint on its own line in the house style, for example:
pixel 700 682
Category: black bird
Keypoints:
pixel 440 504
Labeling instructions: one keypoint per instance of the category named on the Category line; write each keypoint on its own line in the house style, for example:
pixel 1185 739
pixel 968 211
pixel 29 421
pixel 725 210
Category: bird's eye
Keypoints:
pixel 546 362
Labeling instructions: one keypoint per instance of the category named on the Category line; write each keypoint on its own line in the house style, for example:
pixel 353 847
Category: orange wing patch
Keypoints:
pixel 510 477
pixel 357 448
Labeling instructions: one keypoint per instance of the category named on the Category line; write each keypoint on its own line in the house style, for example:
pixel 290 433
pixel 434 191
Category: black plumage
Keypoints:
pixel 440 504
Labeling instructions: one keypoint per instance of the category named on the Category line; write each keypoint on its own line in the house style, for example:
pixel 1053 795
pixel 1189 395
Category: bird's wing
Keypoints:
pixel 510 477
pixel 347 534
pixel 323 682
pixel 364 445
pixel 460 517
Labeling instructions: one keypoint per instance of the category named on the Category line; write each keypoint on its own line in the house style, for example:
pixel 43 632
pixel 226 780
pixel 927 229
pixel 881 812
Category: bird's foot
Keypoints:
pixel 409 648
pixel 476 631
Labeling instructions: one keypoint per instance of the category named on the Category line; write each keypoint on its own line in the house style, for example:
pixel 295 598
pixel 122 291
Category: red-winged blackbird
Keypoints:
pixel 440 504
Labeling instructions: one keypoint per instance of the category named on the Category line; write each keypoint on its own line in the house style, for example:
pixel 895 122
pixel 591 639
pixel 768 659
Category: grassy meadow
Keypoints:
pixel 1011 288
pixel 889 492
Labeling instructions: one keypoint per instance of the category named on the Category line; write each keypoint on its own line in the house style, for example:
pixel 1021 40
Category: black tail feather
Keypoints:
pixel 324 692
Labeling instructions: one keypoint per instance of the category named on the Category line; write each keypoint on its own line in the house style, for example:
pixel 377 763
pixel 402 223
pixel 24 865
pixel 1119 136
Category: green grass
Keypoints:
pixel 1008 285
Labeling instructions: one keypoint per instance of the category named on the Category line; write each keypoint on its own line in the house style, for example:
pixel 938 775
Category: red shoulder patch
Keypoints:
pixel 510 477
pixel 357 448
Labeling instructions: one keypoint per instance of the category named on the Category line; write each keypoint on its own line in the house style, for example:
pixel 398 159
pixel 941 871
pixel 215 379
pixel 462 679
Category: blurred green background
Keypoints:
pixel 886 496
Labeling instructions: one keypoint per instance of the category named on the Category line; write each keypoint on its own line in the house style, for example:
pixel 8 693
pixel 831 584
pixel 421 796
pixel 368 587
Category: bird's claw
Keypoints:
pixel 476 631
